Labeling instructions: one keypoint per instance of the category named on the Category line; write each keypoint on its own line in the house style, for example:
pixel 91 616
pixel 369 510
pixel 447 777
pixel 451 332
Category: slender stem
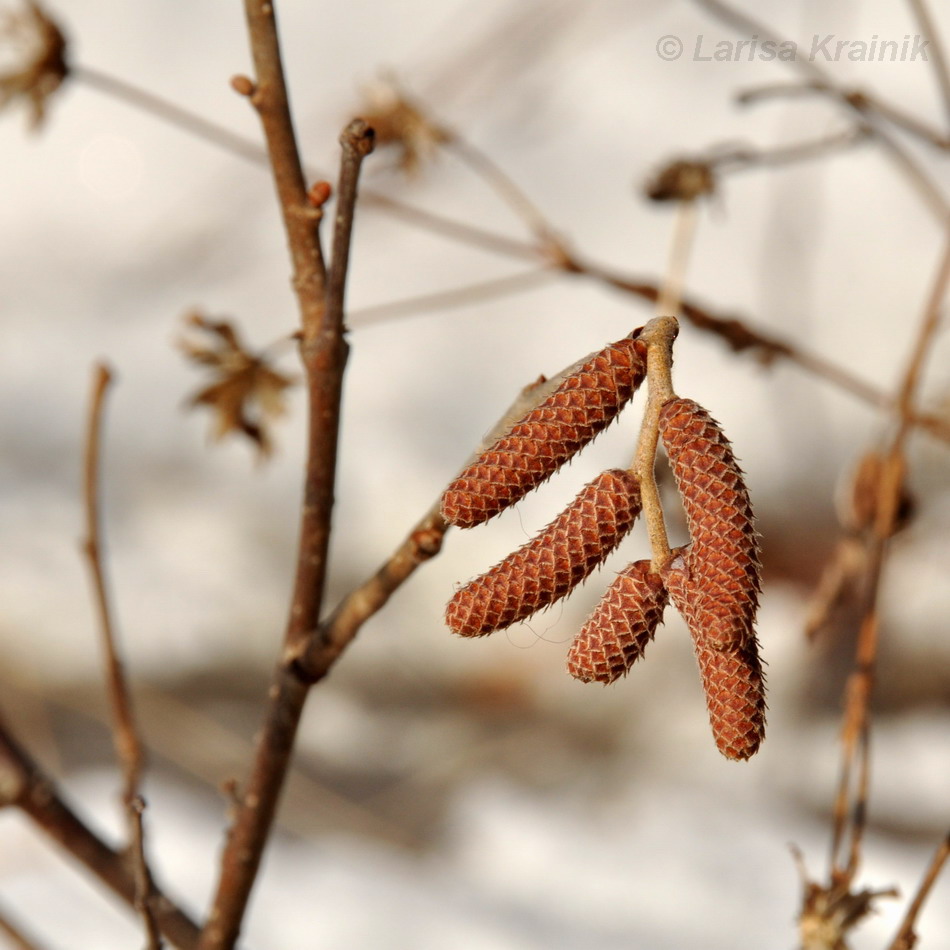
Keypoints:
pixel 739 335
pixel 465 296
pixel 506 188
pixel 937 55
pixel 671 294
pixel 423 542
pixel 15 935
pixel 851 802
pixel 251 151
pixel 128 746
pixel 23 784
pixel 658 335
pixel 861 104
pixel 905 938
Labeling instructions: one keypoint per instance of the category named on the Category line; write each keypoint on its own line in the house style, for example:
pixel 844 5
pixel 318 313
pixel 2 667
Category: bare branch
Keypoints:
pixel 17 937
pixel 324 352
pixel 939 58
pixel 906 937
pixel 465 296
pixel 128 746
pixel 24 785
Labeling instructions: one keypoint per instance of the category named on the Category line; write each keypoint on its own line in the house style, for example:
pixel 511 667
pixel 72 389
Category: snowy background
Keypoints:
pixel 451 793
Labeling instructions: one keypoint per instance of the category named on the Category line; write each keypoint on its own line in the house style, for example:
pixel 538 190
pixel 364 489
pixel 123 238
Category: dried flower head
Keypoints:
pixel 401 123
pixel 246 393
pixel 547 436
pixel 41 46
pixel 622 624
pixel 682 180
pixel 552 564
pixel 721 573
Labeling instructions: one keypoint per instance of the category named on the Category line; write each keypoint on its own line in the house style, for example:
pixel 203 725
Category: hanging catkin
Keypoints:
pixel 582 406
pixel 721 576
pixel 732 676
pixel 622 624
pixel 550 565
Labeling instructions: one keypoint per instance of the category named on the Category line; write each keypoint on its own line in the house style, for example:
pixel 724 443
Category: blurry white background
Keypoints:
pixel 452 793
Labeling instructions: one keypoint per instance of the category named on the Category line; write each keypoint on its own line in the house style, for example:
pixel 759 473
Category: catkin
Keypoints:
pixel 534 448
pixel 553 563
pixel 732 676
pixel 622 624
pixel 721 577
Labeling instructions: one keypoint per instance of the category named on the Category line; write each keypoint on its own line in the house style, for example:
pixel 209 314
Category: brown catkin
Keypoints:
pixel 722 570
pixel 553 563
pixel 622 624
pixel 582 406
pixel 732 677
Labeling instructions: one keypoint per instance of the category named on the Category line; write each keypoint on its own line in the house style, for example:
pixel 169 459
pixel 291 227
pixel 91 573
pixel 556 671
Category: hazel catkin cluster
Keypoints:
pixel 714 581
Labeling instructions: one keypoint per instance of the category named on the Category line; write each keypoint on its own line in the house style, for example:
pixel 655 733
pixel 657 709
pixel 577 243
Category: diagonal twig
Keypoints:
pixel 24 785
pixel 739 335
pixel 906 936
pixel 938 56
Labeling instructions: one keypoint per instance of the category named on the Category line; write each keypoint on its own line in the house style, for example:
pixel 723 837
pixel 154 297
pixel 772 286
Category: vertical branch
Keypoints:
pixel 125 736
pixel 268 95
pixel 659 335
pixel 324 351
pixel 851 796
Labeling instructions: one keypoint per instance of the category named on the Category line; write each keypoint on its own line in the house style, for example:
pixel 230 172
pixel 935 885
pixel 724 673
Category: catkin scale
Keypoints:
pixel 721 576
pixel 550 565
pixel 732 676
pixel 621 625
pixel 546 437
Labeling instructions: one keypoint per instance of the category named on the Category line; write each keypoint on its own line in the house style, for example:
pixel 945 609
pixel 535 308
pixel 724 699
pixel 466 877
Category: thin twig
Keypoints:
pixel 15 935
pixel 671 295
pixel 937 55
pixel 863 105
pixel 861 101
pixel 320 296
pixel 851 797
pixel 508 190
pixel 739 335
pixel 423 542
pixel 659 335
pixel 742 158
pixel 251 151
pixel 466 296
pixel 128 746
pixel 906 936
pixel 24 785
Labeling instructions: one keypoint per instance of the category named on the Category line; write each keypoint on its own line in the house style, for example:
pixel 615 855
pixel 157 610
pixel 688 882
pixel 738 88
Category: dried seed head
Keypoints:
pixel 732 676
pixel 722 569
pixel 553 563
pixel 623 623
pixel 547 436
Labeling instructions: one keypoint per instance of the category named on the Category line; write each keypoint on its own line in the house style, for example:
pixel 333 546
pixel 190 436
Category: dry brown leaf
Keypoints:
pixel 247 393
